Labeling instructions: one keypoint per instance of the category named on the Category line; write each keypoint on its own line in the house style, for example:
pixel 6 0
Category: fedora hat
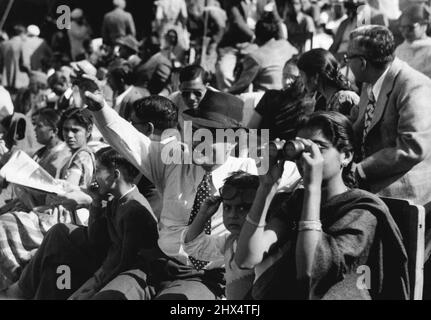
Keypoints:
pixel 216 111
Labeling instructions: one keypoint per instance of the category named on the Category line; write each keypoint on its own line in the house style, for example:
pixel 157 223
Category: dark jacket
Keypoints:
pixel 126 227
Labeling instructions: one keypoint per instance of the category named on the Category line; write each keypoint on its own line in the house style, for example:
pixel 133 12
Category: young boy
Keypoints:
pixel 237 196
pixel 97 254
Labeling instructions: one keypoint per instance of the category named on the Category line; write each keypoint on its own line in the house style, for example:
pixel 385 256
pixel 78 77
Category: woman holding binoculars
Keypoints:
pixel 311 242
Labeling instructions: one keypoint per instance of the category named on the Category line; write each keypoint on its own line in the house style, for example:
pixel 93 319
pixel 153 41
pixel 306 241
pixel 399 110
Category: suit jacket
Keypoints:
pixel 116 24
pixel 397 160
pixel 122 229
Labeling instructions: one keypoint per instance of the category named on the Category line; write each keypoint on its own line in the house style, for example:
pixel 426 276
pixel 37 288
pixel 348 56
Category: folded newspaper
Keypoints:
pixel 24 171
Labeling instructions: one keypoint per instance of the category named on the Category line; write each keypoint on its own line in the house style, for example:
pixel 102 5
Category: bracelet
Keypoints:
pixel 249 220
pixel 312 225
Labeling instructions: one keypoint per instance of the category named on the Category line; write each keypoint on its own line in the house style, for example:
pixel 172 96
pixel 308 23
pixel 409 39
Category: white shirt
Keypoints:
pixel 178 183
pixel 120 98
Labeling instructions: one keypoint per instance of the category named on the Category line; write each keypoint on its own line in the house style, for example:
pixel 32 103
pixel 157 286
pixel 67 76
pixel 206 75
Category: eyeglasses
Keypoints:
pixel 409 27
pixel 230 192
pixel 347 58
pixel 187 93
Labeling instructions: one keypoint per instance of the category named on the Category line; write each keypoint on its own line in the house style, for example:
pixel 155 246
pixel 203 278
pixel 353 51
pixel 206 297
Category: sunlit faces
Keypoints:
pixel 193 92
pixel 333 159
pixel 44 133
pixel 234 214
pixel 74 134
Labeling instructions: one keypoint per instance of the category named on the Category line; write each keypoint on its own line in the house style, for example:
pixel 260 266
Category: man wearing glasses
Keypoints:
pixel 416 48
pixel 394 123
pixel 194 92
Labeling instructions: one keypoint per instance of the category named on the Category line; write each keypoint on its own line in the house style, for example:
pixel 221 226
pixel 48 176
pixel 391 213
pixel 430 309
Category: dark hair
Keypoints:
pixel 338 129
pixel 193 72
pixel 242 180
pixel 377 44
pixel 81 116
pixel 49 117
pixel 112 160
pixel 323 63
pixel 158 110
pixel 267 27
pixel 416 13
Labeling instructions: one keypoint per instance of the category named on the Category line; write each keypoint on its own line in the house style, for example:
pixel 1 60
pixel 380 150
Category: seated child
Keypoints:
pixel 237 196
pixel 95 255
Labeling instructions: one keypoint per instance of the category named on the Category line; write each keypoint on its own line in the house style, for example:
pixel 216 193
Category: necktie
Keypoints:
pixel 201 195
pixel 369 113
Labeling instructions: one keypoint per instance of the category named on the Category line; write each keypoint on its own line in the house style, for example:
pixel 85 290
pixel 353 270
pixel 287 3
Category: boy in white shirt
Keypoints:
pixel 236 197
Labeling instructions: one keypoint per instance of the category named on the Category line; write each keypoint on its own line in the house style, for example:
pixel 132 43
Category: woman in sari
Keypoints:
pixel 22 232
pixel 317 239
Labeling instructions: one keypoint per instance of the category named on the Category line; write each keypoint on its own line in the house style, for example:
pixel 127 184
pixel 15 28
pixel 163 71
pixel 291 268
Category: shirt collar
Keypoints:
pixel 127 193
pixel 377 87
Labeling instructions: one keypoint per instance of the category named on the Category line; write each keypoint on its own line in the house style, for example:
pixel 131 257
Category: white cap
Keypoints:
pixel 33 30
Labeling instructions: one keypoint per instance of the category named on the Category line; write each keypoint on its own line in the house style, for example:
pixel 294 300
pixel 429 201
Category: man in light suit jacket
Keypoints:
pixel 117 24
pixel 393 128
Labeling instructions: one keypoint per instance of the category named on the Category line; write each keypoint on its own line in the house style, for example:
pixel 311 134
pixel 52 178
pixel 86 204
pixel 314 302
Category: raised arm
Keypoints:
pixel 255 238
pixel 120 134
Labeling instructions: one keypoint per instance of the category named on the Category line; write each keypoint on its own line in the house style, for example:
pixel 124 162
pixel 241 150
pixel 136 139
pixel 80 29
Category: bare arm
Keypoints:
pixel 255 240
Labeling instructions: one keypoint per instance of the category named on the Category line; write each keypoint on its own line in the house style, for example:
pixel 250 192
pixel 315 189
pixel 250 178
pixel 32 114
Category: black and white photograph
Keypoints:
pixel 215 154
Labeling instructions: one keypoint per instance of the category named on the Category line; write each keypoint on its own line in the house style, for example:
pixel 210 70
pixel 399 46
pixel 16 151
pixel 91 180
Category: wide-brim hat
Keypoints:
pixel 129 42
pixel 217 110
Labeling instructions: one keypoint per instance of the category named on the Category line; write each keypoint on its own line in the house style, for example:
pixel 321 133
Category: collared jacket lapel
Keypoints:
pixel 385 92
pixel 382 99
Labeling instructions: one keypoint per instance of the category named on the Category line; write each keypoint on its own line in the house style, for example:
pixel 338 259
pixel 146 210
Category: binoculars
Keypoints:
pixel 289 151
